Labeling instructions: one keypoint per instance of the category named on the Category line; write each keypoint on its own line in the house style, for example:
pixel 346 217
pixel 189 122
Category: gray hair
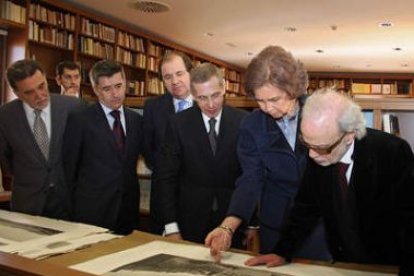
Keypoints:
pixel 204 72
pixel 348 114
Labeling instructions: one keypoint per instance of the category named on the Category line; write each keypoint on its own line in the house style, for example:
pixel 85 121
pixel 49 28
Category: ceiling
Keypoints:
pixel 347 31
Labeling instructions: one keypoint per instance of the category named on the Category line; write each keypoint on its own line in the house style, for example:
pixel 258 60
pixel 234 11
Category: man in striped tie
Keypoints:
pixel 31 130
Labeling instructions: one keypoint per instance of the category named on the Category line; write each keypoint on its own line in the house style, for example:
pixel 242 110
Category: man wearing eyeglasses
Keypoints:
pixel 360 181
pixel 198 162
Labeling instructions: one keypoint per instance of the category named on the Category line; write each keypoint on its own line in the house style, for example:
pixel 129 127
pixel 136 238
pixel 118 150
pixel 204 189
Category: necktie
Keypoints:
pixel 40 133
pixel 181 105
pixel 212 136
pixel 118 130
pixel 342 181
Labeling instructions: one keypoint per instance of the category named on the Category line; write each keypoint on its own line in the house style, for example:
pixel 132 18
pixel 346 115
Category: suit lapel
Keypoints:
pixel 227 128
pixel 200 131
pixel 55 126
pixel 365 188
pixel 274 137
pixel 102 123
pixel 129 129
pixel 169 105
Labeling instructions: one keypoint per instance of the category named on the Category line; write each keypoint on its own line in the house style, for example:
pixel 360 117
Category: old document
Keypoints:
pixel 38 237
pixel 165 258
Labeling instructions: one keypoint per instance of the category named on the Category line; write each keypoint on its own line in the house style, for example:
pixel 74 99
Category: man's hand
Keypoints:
pixel 174 237
pixel 218 240
pixel 269 260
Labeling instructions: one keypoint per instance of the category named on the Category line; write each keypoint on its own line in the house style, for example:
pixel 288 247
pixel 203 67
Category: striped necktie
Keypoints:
pixel 40 133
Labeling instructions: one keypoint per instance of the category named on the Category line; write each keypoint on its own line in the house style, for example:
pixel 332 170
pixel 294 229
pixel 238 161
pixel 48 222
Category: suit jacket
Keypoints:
pixel 157 111
pixel 382 179
pixel 103 182
pixel 33 175
pixel 190 176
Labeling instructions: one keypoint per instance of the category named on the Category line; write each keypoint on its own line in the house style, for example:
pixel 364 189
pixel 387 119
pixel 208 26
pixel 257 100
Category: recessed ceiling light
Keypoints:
pixel 290 29
pixel 231 45
pixel 319 51
pixel 151 6
pixel 385 24
pixel 397 49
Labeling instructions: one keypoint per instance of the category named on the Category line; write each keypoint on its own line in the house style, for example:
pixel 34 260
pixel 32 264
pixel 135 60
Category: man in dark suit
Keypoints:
pixel 174 69
pixel 101 148
pixel 198 164
pixel 360 181
pixel 31 131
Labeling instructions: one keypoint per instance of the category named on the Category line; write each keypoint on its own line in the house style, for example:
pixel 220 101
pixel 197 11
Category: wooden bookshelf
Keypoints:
pixel 372 84
pixel 52 31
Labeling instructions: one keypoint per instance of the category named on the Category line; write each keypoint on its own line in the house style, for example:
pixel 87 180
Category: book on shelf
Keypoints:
pixel 390 123
pixel 361 88
pixel 386 89
pixel 60 19
pixel 376 88
pixel 13 12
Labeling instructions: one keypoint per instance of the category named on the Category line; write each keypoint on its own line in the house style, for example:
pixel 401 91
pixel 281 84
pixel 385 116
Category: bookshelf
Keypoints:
pixel 370 84
pixel 52 31
pixel 13 18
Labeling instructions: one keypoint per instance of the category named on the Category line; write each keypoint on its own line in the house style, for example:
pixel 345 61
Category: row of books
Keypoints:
pixel 134 59
pixel 59 19
pixel 136 88
pixel 154 50
pixel 13 12
pixel 153 64
pixel 51 36
pixel 155 86
pixel 233 76
pixel 131 42
pixel 232 86
pixel 97 30
pixel 95 48
pixel 387 89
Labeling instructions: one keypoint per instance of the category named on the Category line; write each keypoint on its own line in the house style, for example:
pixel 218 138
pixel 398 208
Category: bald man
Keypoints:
pixel 368 210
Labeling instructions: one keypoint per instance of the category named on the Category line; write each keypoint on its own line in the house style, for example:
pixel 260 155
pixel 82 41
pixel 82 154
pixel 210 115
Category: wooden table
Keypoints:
pixel 13 265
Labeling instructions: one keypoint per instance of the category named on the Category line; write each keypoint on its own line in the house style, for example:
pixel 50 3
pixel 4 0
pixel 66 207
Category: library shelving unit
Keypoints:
pixel 377 94
pixel 52 31
pixel 13 21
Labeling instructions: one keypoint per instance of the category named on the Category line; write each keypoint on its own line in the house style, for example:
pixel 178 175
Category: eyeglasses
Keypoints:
pixel 323 150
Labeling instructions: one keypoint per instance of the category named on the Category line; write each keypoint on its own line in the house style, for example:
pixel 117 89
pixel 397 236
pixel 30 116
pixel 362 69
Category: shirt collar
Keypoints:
pixel 188 99
pixel 29 110
pixel 108 110
pixel 347 157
